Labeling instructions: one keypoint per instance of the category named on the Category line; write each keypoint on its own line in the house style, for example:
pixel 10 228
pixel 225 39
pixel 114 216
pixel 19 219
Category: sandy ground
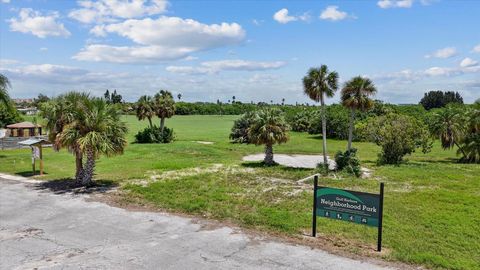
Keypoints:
pixel 40 229
pixel 295 161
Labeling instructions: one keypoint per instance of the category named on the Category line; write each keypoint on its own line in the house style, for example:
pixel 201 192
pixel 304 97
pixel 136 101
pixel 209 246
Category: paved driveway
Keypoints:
pixel 41 230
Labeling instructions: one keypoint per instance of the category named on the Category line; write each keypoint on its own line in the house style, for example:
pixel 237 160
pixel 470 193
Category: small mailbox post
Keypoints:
pixel 36 146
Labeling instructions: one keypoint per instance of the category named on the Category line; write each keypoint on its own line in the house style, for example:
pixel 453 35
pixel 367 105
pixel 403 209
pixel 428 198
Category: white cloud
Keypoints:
pixel 395 3
pixel 263 78
pixel 111 10
pixel 30 21
pixel 282 16
pixel 6 1
pixel 476 49
pixel 443 53
pixel 164 38
pixel 43 49
pixel 332 13
pixel 8 62
pixel 126 54
pixel 468 62
pixel 212 67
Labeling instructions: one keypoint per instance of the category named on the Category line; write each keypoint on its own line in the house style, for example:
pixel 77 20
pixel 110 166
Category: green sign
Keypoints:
pixel 351 206
pixel 346 205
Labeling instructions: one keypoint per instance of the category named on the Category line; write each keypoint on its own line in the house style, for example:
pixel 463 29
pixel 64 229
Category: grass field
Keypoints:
pixel 432 209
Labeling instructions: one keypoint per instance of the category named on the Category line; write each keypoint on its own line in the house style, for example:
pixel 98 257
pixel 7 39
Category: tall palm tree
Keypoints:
pixel 356 96
pixel 4 85
pixel 268 128
pixel 449 125
pixel 58 114
pixel 144 109
pixel 98 130
pixel 164 106
pixel 319 84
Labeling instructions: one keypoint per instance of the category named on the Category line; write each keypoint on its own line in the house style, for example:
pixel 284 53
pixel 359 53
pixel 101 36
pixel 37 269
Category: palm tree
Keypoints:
pixel 4 85
pixel 144 109
pixel 268 128
pixel 60 113
pixel 471 142
pixel 97 129
pixel 319 84
pixel 449 125
pixel 164 106
pixel 356 96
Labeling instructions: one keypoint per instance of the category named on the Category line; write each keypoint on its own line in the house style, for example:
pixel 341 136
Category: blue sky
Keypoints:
pixel 254 50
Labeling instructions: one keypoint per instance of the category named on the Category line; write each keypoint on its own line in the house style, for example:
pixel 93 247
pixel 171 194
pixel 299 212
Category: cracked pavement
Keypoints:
pixel 43 230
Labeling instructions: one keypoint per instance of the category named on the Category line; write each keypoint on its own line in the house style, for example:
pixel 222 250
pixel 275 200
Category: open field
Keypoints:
pixel 431 203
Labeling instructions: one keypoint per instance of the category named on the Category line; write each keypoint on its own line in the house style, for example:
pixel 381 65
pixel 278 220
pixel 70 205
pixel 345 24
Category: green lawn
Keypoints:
pixel 432 204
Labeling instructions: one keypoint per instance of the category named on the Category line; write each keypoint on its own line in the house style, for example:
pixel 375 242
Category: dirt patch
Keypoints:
pixel 155 176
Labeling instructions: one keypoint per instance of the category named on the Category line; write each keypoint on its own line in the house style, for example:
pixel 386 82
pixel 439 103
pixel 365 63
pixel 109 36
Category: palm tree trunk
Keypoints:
pixel 350 129
pixel 89 169
pixel 162 124
pixel 324 136
pixel 150 122
pixel 461 149
pixel 79 167
pixel 268 160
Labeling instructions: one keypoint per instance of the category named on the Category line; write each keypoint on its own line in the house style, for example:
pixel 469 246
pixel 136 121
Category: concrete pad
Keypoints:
pixel 295 161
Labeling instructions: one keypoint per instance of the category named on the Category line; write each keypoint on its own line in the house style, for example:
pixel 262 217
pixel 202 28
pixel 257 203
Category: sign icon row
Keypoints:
pixel 350 217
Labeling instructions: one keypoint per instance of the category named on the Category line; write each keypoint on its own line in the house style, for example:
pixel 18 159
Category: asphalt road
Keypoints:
pixel 43 230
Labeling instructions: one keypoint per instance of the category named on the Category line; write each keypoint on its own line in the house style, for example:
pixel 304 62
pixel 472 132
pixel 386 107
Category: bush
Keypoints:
pixel 9 115
pixel 337 122
pixel 154 135
pixel 398 135
pixel 239 133
pixel 348 161
pixel 302 121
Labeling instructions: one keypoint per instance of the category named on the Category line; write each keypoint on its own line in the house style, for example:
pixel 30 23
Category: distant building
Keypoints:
pixel 28 111
pixel 22 100
pixel 24 129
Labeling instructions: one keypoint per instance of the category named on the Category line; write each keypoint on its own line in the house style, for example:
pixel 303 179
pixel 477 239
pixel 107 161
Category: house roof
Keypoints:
pixel 23 125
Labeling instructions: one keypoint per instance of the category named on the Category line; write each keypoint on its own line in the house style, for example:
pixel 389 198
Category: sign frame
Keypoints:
pixel 379 225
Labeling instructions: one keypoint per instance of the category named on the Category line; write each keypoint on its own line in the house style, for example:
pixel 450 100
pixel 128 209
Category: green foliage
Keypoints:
pixel 302 121
pixel 337 122
pixel 154 135
pixel 239 132
pixel 268 127
pixel 470 143
pixel 320 83
pixel 398 135
pixel 439 99
pixel 37 102
pixel 9 115
pixel 112 98
pixel 348 161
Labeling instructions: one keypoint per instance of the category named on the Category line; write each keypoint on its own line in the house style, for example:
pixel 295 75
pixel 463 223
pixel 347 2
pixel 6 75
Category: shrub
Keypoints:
pixel 239 133
pixel 302 120
pixel 348 161
pixel 154 135
pixel 337 122
pixel 398 135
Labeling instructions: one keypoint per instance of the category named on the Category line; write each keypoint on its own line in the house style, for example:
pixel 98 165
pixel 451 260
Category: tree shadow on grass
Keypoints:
pixel 67 185
pixel 261 164
pixel 30 173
